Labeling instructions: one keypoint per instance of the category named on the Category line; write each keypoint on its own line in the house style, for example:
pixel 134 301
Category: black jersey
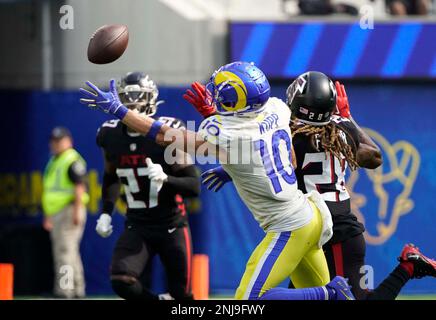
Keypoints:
pixel 321 171
pixel 127 152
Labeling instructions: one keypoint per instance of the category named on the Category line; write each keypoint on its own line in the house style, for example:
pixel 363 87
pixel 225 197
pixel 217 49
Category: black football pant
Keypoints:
pixel 347 258
pixel 134 251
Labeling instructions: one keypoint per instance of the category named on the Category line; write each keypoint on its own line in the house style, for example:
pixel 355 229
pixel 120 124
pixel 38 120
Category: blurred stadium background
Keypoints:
pixel 389 71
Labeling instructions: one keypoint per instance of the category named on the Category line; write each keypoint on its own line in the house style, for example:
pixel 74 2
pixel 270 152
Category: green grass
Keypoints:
pixel 417 297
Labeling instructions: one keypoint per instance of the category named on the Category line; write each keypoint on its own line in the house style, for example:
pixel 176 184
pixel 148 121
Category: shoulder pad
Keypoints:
pixel 338 119
pixel 347 127
pixel 104 128
pixel 173 122
pixel 110 124
pixel 211 128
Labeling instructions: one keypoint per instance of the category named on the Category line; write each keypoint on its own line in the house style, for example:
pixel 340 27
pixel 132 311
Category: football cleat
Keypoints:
pixel 422 266
pixel 165 296
pixel 342 288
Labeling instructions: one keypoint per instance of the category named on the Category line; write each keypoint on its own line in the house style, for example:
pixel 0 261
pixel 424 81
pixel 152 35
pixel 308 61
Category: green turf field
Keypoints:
pixel 417 297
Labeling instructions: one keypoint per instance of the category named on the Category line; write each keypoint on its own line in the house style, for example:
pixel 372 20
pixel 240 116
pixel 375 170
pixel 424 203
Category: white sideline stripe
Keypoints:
pixel 260 265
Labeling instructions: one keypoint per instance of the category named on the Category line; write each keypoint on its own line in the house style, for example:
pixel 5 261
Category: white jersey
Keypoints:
pixel 259 162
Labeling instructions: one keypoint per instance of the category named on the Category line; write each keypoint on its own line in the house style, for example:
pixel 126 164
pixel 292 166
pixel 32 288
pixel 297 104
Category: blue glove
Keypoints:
pixel 215 178
pixel 109 101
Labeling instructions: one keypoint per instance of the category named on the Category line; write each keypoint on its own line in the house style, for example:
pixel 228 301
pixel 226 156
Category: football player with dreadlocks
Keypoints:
pixel 156 221
pixel 326 140
pixel 296 226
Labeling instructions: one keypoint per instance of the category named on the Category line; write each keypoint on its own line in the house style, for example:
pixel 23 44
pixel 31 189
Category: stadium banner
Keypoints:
pixel 395 202
pixel 339 49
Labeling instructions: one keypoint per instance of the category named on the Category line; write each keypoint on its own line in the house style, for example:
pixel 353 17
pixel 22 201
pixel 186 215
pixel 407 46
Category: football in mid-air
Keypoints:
pixel 108 43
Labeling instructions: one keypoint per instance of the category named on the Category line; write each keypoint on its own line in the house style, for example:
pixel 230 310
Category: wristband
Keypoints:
pixel 108 207
pixel 154 130
pixel 121 112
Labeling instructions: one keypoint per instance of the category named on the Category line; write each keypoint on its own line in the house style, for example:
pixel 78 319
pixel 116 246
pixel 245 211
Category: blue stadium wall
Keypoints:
pixel 392 50
pixel 396 204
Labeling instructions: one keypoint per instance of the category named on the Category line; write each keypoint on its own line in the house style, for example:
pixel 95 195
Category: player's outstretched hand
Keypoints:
pixel 197 97
pixel 342 104
pixel 214 179
pixel 104 225
pixel 108 101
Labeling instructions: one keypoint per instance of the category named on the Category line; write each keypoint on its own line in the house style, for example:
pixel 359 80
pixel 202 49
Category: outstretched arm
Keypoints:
pixel 152 129
pixel 162 134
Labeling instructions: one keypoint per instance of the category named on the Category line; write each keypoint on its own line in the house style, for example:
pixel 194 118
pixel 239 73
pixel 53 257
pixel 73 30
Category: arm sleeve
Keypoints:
pixel 77 172
pixel 185 181
pixel 110 192
pixel 110 189
pixel 352 133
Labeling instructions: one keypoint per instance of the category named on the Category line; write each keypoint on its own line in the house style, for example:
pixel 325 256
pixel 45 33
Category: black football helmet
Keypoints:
pixel 312 98
pixel 138 92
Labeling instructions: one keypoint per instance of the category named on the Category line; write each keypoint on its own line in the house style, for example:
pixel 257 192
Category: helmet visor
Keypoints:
pixel 134 94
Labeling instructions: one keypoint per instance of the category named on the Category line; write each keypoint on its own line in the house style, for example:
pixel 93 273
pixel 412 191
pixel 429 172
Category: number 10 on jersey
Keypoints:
pixel 274 166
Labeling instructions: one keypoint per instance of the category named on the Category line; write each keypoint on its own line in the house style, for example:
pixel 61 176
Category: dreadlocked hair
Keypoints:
pixel 330 140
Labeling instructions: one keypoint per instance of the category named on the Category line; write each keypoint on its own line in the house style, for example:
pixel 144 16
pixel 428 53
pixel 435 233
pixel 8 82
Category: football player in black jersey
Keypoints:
pixel 156 219
pixel 325 144
pixel 326 140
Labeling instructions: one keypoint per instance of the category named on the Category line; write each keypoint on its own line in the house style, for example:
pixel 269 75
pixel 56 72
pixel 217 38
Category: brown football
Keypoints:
pixel 108 43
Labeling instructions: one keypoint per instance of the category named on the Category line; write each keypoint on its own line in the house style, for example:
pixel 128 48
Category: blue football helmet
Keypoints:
pixel 238 87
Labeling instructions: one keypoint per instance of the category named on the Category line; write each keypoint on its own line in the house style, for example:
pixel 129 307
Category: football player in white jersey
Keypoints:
pixel 251 138
pixel 325 145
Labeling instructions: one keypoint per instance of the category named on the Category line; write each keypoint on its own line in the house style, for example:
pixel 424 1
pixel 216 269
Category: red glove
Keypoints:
pixel 342 104
pixel 198 99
